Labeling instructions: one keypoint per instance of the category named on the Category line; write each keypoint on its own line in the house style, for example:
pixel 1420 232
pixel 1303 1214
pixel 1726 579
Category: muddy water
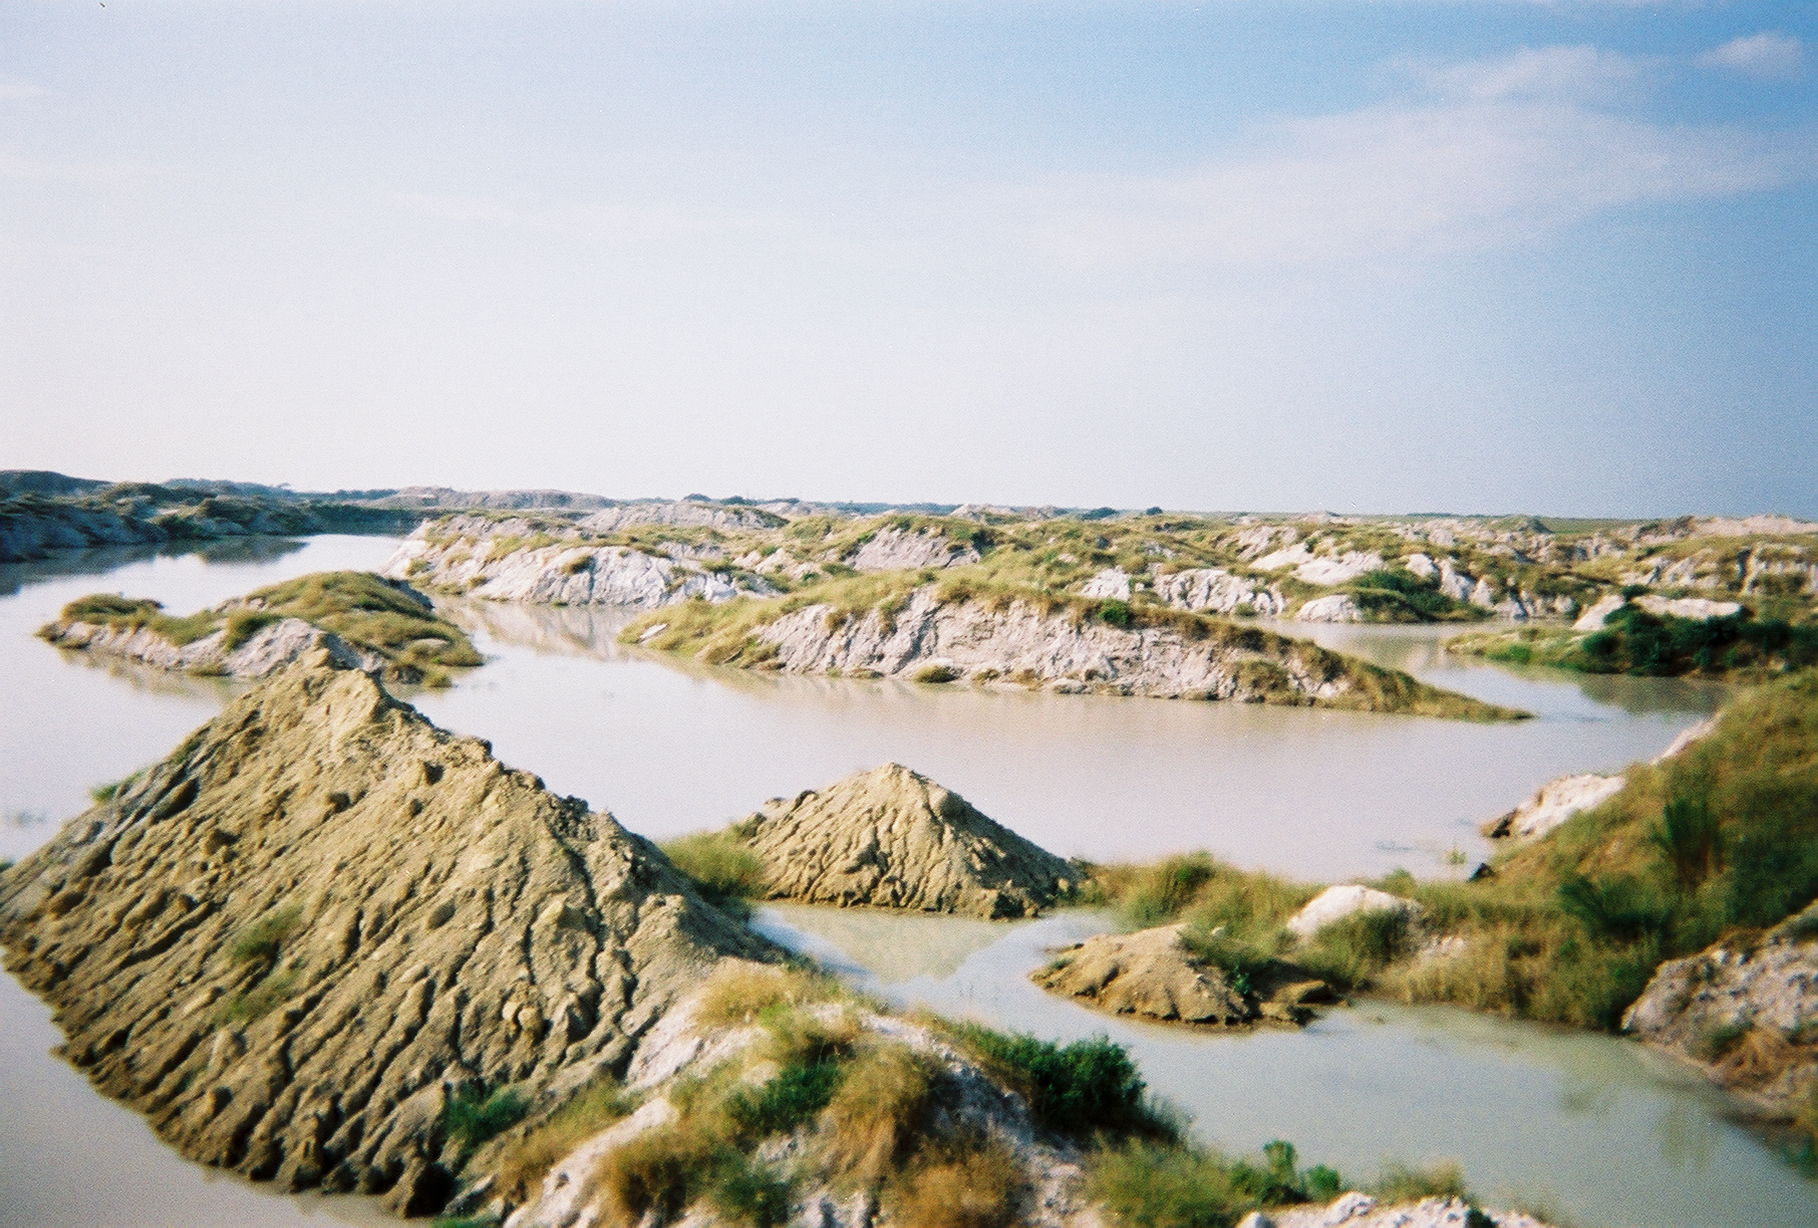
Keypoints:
pixel 1317 794
pixel 1610 1133
pixel 671 748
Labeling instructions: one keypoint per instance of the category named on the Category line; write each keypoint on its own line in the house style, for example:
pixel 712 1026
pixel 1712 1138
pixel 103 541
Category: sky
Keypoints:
pixel 1479 256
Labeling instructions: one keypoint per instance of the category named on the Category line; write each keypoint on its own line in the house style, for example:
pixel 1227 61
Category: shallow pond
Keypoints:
pixel 1613 1134
pixel 1592 1122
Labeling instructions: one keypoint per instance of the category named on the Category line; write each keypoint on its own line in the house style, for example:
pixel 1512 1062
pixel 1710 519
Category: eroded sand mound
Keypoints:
pixel 290 942
pixel 891 838
pixel 1153 973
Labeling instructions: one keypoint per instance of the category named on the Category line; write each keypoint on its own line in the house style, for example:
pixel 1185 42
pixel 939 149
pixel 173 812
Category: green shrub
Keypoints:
pixel 473 1117
pixel 790 1097
pixel 1078 1089
pixel 1145 1185
pixel 242 625
pixel 721 865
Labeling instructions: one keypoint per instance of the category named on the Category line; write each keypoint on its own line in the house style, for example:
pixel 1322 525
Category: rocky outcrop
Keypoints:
pixel 1745 1009
pixel 892 838
pixel 1213 590
pixel 1154 973
pixel 1696 609
pixel 1553 803
pixel 523 561
pixel 270 649
pixel 1357 1210
pixel 292 941
pixel 1111 584
pixel 1018 642
pixel 1334 608
pixel 896 549
pixel 1324 569
pixel 1348 900
pixel 687 513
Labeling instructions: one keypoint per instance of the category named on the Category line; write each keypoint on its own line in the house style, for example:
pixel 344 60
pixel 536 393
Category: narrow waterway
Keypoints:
pixel 1597 1126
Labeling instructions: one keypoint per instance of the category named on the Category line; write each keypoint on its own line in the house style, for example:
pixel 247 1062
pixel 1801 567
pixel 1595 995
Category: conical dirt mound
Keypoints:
pixel 891 838
pixel 293 941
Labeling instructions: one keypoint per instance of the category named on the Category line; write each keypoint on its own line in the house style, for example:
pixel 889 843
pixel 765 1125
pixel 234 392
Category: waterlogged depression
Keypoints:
pixel 1591 1125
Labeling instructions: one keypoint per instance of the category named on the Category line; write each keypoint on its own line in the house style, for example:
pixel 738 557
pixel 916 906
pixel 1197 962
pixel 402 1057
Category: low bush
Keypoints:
pixel 1145 1185
pixel 473 1116
pixel 1079 1089
pixel 722 866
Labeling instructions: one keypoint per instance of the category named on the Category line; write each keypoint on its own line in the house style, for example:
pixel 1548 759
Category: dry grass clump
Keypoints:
pixel 739 992
pixel 967 1183
pixel 873 1121
pixel 597 1104
pixel 722 866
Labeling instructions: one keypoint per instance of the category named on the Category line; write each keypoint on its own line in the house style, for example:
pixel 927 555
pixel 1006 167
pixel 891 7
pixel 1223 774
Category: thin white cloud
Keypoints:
pixel 1767 55
pixel 1493 167
pixel 15 89
pixel 1537 72
pixel 24 166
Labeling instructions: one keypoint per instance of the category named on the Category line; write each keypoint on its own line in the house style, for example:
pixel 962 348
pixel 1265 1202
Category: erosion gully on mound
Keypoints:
pixel 892 838
pixel 291 941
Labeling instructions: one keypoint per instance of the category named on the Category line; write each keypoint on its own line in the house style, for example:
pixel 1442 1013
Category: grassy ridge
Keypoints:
pixel 1632 641
pixel 364 609
pixel 1720 840
pixel 730 634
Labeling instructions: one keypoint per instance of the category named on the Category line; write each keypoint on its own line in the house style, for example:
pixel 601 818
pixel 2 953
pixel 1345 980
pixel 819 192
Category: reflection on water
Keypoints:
pixel 68 1156
pixel 1420 650
pixel 671 746
pixel 888 948
pixel 1616 1135
pixel 101 560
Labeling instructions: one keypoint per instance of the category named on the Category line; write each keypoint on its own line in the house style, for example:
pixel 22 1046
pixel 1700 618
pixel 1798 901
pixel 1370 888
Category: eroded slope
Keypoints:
pixel 290 942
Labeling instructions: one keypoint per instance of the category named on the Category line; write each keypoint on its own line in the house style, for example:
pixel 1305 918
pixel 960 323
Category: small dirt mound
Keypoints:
pixel 1153 973
pixel 891 838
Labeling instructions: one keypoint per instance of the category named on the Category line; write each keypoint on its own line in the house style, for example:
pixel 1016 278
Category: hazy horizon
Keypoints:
pixel 1336 255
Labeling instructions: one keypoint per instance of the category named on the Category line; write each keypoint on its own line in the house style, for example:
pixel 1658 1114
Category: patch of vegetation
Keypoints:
pixel 108 609
pixel 1395 595
pixel 1632 641
pixel 1079 1089
pixel 721 865
pixel 598 1103
pixel 364 609
pixel 374 613
pixel 267 992
pixel 1248 906
pixel 108 792
pixel 262 941
pixel 968 1183
pixel 1718 840
pixel 1146 1185
pixel 473 1116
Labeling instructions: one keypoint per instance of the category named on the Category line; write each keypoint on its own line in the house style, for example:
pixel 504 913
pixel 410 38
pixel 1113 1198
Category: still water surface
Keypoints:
pixel 1597 1126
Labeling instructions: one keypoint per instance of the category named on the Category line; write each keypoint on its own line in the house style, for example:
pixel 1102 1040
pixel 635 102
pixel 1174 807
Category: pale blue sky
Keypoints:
pixel 1559 258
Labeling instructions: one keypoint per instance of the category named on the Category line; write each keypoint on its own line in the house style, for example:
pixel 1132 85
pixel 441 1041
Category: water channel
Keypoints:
pixel 1599 1128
